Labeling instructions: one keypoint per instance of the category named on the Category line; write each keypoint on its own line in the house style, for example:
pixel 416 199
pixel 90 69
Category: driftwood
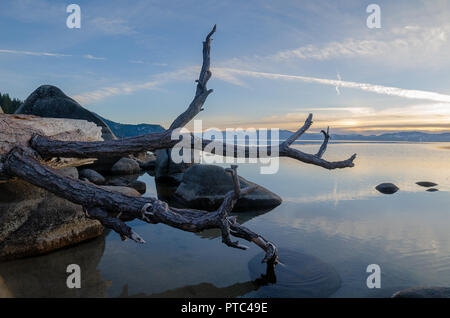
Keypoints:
pixel 27 160
pixel 17 130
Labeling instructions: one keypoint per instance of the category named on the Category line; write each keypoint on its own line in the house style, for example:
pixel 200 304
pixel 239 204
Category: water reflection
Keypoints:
pixel 208 290
pixel 45 276
pixel 335 216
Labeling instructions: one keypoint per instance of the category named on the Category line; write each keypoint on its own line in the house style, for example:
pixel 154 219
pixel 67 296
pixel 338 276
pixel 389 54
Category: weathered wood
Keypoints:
pixel 50 148
pixel 17 130
pixel 20 158
pixel 21 163
pixel 202 92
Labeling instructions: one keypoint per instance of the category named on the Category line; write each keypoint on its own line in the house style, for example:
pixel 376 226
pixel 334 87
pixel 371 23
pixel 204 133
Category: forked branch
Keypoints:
pixel 108 206
pixel 49 148
pixel 104 205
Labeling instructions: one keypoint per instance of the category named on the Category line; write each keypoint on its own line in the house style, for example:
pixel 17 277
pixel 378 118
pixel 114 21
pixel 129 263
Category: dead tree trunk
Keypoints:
pixel 28 158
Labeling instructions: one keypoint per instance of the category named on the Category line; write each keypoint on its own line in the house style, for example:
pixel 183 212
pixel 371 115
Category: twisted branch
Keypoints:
pixel 102 204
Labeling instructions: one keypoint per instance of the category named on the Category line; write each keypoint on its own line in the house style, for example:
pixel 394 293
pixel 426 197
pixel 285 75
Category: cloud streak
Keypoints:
pixel 128 88
pixel 91 57
pixel 16 52
pixel 377 89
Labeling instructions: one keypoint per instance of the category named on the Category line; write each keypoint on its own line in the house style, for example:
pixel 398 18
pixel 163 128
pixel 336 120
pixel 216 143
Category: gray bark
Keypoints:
pixel 22 160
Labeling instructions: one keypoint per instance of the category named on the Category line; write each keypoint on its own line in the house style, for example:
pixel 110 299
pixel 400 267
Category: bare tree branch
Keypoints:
pixel 202 92
pixel 323 147
pixel 298 133
pixel 150 142
pixel 49 148
pixel 22 161
pixel 97 202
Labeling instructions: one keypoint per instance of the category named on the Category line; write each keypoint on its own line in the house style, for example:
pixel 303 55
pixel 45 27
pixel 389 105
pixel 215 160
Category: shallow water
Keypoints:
pixel 336 217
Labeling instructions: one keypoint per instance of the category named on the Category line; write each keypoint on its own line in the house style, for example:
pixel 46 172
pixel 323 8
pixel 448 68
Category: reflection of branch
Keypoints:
pixel 208 290
pixel 326 136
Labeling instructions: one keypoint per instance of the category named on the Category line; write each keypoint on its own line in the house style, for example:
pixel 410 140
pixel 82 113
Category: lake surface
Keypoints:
pixel 335 217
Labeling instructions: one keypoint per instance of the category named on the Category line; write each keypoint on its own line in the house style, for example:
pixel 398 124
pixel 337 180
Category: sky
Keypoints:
pixel 273 62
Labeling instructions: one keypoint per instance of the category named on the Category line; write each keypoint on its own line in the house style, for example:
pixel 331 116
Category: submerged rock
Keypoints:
pixel 92 175
pixel 34 221
pixel 387 188
pixel 125 166
pixel 426 184
pixel 297 275
pixel 423 292
pixel 204 187
pixel 432 190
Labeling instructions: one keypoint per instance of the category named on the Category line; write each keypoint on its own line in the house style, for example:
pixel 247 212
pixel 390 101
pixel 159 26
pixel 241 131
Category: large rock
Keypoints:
pixel 125 166
pixel 423 292
pixel 50 101
pixel 17 130
pixel 33 221
pixel 204 187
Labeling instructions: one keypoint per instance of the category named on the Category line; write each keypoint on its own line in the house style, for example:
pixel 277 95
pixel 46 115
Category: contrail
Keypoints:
pixel 378 89
pixel 32 53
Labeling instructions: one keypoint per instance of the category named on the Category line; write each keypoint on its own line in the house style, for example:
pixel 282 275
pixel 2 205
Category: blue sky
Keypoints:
pixel 273 62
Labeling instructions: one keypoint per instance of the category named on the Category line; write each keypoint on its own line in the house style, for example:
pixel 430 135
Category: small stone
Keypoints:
pixel 426 184
pixel 125 166
pixel 92 175
pixel 423 292
pixel 140 186
pixel 432 190
pixel 387 188
pixel 69 172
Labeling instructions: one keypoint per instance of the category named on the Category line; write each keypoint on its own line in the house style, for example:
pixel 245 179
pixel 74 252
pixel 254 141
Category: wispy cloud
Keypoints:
pixel 136 62
pixel 91 57
pixel 408 40
pixel 378 89
pixel 113 26
pixel 409 46
pixel 128 88
pixel 33 53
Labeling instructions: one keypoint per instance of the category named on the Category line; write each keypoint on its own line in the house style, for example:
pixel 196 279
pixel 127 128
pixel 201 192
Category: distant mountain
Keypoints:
pixel 405 136
pixel 129 130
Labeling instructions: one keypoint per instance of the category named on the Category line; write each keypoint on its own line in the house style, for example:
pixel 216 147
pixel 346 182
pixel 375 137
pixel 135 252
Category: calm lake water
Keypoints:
pixel 336 217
